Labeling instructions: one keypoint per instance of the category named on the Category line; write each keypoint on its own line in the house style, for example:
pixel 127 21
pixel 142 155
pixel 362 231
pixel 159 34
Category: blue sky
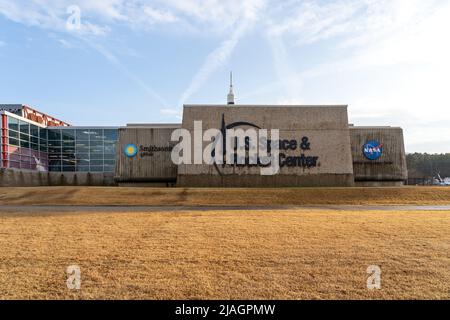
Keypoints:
pixel 138 61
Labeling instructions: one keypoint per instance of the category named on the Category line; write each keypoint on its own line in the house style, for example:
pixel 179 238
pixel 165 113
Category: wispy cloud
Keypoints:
pixel 212 15
pixel 159 16
pixel 65 44
pixel 53 16
pixel 194 15
pixel 288 78
pixel 354 22
pixel 220 55
pixel 50 15
pixel 172 113
pixel 213 61
pixel 112 58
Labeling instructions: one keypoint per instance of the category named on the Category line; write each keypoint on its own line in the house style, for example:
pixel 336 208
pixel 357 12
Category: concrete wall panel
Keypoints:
pixel 145 166
pixel 391 166
pixel 326 127
pixel 29 178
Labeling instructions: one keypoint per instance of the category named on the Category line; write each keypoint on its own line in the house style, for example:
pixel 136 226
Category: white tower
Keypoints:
pixel 230 97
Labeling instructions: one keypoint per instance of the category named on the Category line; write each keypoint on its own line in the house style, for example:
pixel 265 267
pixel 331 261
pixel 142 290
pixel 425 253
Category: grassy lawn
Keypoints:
pixel 266 254
pixel 224 197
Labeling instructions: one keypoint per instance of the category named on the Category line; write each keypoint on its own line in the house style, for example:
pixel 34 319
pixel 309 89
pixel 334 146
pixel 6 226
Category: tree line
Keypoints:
pixel 424 165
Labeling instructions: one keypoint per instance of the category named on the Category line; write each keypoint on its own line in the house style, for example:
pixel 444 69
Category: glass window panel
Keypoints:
pixel 54 143
pixel 43 142
pixel 97 144
pixel 110 162
pixel 96 162
pixel 24 127
pixel 82 143
pixel 83 156
pixel 68 134
pixel 96 134
pixel 68 150
pixel 43 133
pixel 43 148
pixel 34 146
pixel 96 156
pixel 34 140
pixel 54 134
pixel 14 157
pixel 110 143
pixel 82 134
pixel 110 149
pixel 108 168
pixel 83 162
pixel 54 149
pixel 54 168
pixel 53 163
pixel 25 159
pixel 68 157
pixel 24 144
pixel 52 156
pixel 69 163
pixel 24 165
pixel 82 149
pixel 13 134
pixel 111 157
pixel 13 124
pixel 83 168
pixel 24 136
pixel 96 168
pixel 34 130
pixel 12 149
pixel 68 168
pixel 68 144
pixel 97 149
pixel 110 134
pixel 14 164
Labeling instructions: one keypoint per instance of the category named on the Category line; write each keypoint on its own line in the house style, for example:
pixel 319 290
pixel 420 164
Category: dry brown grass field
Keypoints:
pixel 232 254
pixel 223 197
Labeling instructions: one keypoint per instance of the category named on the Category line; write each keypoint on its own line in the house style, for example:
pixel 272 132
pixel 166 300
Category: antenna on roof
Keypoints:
pixel 230 97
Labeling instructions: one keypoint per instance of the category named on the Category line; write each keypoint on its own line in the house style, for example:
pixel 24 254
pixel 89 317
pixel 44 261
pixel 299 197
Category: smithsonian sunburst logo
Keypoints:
pixel 130 150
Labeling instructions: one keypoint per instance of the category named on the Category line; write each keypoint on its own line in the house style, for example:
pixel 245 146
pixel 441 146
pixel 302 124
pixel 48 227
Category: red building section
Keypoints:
pixel 42 118
pixel 4 141
pixel 18 156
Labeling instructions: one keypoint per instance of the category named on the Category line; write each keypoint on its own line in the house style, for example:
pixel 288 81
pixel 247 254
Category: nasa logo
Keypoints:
pixel 373 150
pixel 130 150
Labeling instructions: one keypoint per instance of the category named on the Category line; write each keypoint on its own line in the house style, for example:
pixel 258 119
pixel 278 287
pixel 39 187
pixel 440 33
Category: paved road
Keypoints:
pixel 4 209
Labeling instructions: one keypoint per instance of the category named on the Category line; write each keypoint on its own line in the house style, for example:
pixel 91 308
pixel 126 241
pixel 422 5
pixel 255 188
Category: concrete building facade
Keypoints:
pixel 145 155
pixel 318 135
pixel 318 147
pixel 387 170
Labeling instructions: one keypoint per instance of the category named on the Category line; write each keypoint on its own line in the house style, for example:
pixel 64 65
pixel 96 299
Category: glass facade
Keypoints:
pixel 60 149
pixel 26 150
pixel 82 149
